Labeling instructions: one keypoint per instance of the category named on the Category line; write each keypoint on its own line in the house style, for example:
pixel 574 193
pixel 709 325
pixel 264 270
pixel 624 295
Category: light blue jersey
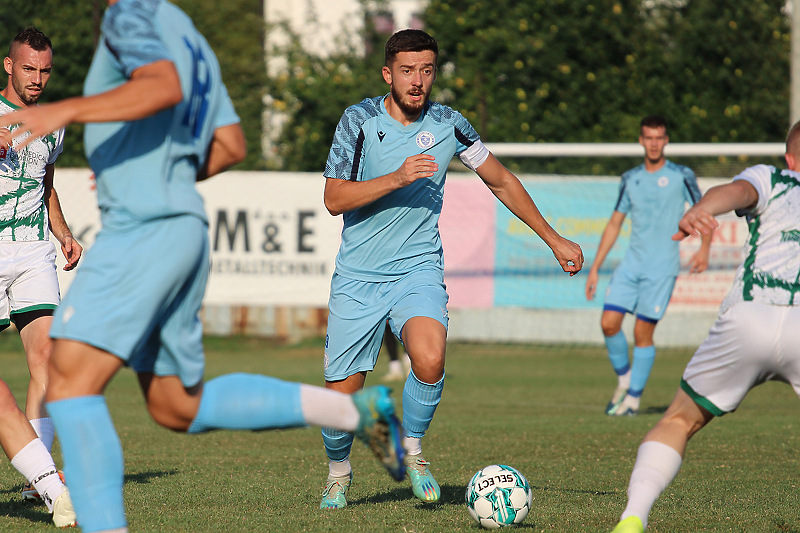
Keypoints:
pixel 153 177
pixel 655 202
pixel 154 226
pixel 398 233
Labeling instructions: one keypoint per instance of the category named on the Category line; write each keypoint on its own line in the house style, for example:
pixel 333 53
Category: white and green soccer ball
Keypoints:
pixel 498 496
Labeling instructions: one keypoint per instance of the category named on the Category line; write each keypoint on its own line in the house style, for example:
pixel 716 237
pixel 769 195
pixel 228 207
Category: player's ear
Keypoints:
pixel 7 64
pixel 791 161
pixel 387 75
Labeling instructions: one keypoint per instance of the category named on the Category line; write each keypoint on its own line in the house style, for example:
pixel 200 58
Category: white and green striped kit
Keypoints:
pixel 770 272
pixel 23 214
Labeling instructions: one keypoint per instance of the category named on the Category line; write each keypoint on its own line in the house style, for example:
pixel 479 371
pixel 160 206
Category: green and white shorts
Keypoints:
pixel 28 278
pixel 750 343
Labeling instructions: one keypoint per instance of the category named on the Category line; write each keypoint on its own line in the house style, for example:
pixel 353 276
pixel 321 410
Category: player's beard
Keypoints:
pixel 26 98
pixel 655 160
pixel 409 109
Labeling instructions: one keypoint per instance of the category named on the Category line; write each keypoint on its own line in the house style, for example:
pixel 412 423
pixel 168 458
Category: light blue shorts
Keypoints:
pixel 137 295
pixel 634 292
pixel 358 311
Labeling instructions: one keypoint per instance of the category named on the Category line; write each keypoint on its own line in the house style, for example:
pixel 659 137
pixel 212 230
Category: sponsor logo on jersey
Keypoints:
pixel 663 181
pixel 425 139
pixel 790 236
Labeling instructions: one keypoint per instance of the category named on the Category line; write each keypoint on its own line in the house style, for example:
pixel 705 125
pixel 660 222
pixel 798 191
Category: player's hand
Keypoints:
pixel 5 138
pixel 699 262
pixel 569 255
pixel 416 167
pixel 36 121
pixel 695 221
pixel 591 284
pixel 72 251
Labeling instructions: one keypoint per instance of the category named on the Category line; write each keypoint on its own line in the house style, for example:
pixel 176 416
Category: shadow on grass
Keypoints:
pixel 143 478
pixel 654 410
pixel 575 491
pixel 451 495
pixel 29 510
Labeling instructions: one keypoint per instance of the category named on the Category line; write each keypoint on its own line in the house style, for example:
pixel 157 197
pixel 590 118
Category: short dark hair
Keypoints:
pixel 653 121
pixel 409 41
pixel 33 38
pixel 793 140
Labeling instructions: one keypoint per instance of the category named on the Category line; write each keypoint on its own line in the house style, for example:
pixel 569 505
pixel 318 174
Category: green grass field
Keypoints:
pixel 537 408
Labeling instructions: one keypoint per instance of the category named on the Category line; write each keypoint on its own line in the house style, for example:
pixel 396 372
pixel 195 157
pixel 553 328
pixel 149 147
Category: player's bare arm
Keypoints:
pixel 699 261
pixel 509 190
pixel 607 240
pixel 344 195
pixel 158 80
pixel 699 219
pixel 227 148
pixel 71 249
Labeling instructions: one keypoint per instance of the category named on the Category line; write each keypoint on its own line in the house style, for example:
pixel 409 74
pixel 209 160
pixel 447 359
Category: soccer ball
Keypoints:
pixel 498 496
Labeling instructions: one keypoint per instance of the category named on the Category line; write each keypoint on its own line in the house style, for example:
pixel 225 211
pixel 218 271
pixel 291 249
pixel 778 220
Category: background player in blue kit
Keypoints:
pixel 655 195
pixel 385 173
pixel 160 119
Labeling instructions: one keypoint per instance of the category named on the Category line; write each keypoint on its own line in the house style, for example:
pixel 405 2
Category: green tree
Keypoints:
pixel 235 31
pixel 310 94
pixel 588 70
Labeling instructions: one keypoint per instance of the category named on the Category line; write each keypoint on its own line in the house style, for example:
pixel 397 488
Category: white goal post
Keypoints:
pixel 633 149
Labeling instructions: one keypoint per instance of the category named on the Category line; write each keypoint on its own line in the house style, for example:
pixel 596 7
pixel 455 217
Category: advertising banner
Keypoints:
pixel 273 243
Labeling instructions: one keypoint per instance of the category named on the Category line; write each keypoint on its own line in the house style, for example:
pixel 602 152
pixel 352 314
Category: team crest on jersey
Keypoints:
pixel 663 181
pixel 425 139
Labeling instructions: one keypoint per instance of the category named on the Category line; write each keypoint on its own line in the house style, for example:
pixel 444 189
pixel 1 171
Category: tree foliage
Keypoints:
pixel 588 70
pixel 308 96
pixel 570 71
pixel 533 71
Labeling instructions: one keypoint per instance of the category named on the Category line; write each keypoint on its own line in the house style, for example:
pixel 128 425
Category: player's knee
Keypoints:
pixel 610 328
pixel 8 405
pixel 683 423
pixel 170 417
pixel 428 370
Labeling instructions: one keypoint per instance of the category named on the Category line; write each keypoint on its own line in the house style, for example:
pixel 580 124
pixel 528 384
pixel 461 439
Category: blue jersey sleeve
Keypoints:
pixel 623 204
pixel 130 35
pixel 345 159
pixel 691 190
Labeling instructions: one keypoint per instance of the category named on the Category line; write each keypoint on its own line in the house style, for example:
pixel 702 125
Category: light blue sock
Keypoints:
pixel 93 465
pixel 643 358
pixel 419 403
pixel 248 401
pixel 617 346
pixel 337 443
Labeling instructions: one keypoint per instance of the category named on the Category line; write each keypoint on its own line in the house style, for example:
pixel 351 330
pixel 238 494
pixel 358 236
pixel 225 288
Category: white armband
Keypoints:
pixel 474 156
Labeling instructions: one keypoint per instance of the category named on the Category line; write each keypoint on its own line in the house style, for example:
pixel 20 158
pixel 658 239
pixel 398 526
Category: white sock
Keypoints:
pixel 632 401
pixel 656 466
pixel 624 381
pixel 35 463
pixel 340 468
pixel 323 407
pixel 413 445
pixel 395 367
pixel 45 430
